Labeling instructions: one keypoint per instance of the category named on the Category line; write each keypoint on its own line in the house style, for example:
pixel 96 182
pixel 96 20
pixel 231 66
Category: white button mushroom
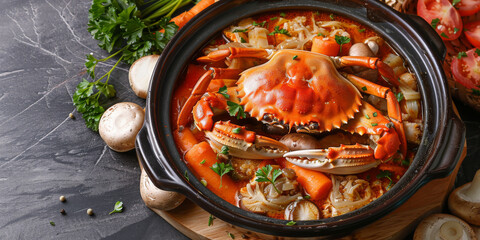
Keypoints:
pixel 120 124
pixel 157 198
pixel 464 202
pixel 443 226
pixel 140 74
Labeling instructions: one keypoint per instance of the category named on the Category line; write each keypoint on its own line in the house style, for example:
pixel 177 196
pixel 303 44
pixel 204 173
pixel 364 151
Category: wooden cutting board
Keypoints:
pixel 192 220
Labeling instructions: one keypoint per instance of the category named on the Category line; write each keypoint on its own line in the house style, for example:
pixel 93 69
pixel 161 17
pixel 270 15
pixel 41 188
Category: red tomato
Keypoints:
pixel 468 7
pixel 472 32
pixel 449 24
pixel 466 70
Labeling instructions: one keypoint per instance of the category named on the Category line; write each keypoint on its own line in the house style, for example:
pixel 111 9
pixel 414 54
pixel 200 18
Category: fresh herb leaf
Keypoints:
pixel 375 114
pixel 317 13
pixel 295 57
pixel 444 35
pixel 455 2
pixel 364 88
pixel 237 130
pixel 239 30
pixel 235 109
pixel 461 54
pixel 367 117
pixel 434 23
pixel 321 34
pixel 273 18
pixel 210 220
pixel 332 17
pixel 282 14
pixel 186 175
pixel 307 197
pixel 279 31
pixel 231 235
pixel 221 169
pixel 262 175
pixel 374 124
pixel 455 30
pixel 477 51
pixel 399 96
pixel 52 223
pixel 262 24
pixel 291 223
pixel 405 163
pixel 341 40
pixel 224 150
pixel 361 30
pixel 242 40
pixel 223 91
pixel 203 161
pixel 118 207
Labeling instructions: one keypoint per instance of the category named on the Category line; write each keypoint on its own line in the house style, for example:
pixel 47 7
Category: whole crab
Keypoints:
pixel 304 91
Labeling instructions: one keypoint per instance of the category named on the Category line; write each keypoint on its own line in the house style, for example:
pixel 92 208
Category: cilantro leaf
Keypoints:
pixel 210 220
pixel 461 54
pixel 477 51
pixel 223 91
pixel 221 169
pixel 341 40
pixel 224 150
pixel 277 30
pixel 235 109
pixel 263 175
pixel 118 207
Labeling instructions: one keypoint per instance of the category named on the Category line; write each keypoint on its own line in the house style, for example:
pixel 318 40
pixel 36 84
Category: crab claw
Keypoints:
pixel 350 159
pixel 242 143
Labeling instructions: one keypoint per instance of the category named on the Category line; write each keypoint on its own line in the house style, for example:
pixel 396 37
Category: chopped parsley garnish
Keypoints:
pixel 386 174
pixel 262 24
pixel 224 150
pixel 263 173
pixel 455 30
pixel 461 54
pixel 223 91
pixel 434 23
pixel 186 176
pixel 361 30
pixel 242 40
pixel 237 130
pixel 375 114
pixel 52 223
pixel 321 34
pixel 307 197
pixel 210 220
pixel 477 51
pixel 273 18
pixel 367 117
pixel 235 109
pixel 399 96
pixel 203 161
pixel 291 223
pixel 341 40
pixel 444 35
pixel 279 31
pixel 295 57
pixel 231 235
pixel 455 2
pixel 118 208
pixel 405 163
pixel 374 124
pixel 282 14
pixel 239 30
pixel 221 169
pixel 332 17
pixel 364 88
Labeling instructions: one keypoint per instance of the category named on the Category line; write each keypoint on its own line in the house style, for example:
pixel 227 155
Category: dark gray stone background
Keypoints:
pixel 44 154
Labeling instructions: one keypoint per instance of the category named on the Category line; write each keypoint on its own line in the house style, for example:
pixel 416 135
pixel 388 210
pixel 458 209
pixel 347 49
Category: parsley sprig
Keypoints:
pixel 263 175
pixel 341 40
pixel 221 169
pixel 120 25
pixel 118 208
pixel 235 109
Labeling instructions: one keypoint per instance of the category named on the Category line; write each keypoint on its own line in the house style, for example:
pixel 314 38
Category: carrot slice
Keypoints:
pixel 315 183
pixel 184 17
pixel 325 45
pixel 184 139
pixel 201 169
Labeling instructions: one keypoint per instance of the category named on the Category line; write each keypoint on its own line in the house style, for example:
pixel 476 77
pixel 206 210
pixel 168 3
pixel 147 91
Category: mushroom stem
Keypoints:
pixel 473 191
pixel 451 230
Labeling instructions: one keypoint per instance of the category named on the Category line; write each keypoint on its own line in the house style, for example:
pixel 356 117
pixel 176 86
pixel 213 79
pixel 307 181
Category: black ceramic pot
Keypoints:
pixel 410 36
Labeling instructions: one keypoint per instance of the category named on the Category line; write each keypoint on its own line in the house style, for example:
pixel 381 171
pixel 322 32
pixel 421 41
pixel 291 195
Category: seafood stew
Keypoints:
pixel 298 115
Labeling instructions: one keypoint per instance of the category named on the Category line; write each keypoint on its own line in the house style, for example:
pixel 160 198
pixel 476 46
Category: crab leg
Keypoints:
pixel 369 62
pixel 200 88
pixel 242 143
pixel 233 52
pixel 393 107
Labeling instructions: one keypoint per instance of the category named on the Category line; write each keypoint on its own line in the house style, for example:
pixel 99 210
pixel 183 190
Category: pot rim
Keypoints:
pixel 439 121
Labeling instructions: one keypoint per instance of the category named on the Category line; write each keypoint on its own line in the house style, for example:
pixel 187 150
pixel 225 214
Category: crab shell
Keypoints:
pixel 299 88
